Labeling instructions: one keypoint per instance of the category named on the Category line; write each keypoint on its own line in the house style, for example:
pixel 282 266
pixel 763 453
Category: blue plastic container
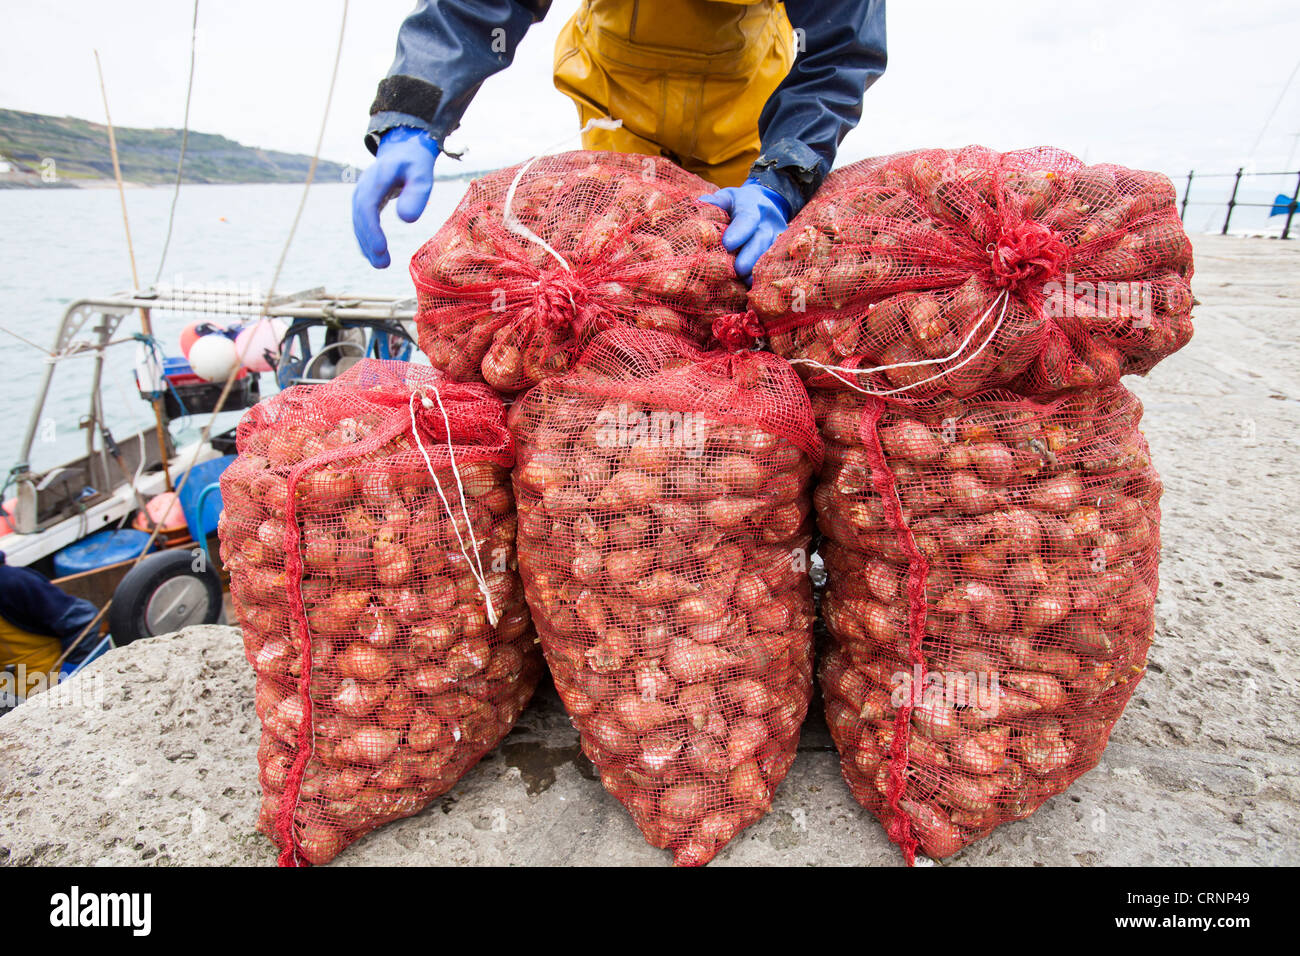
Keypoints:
pixel 99 550
pixel 176 365
pixel 200 477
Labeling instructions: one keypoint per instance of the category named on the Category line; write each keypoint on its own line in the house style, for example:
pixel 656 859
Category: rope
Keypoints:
pixel 835 369
pixel 508 218
pixel 26 341
pixel 1273 112
pixel 480 577
pixel 159 356
pixel 185 138
pixel 512 223
pixel 117 173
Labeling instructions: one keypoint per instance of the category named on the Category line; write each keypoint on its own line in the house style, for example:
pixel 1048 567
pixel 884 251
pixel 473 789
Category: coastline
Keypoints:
pixel 9 183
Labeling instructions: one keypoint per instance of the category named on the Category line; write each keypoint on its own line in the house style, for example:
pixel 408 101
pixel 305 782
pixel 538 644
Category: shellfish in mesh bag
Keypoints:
pixel 962 270
pixel 992 573
pixel 540 257
pixel 369 533
pixel 664 525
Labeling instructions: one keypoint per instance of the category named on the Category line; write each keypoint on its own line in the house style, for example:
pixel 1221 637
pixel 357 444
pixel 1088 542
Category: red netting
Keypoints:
pixel 967 269
pixel 591 240
pixel 361 572
pixel 992 571
pixel 664 524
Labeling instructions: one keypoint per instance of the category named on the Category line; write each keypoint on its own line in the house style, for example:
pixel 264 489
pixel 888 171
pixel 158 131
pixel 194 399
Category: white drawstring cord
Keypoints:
pixel 508 218
pixel 475 563
pixel 836 369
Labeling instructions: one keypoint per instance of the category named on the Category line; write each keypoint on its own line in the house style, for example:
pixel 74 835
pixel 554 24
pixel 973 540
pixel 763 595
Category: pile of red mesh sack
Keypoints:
pixel 539 258
pixel 990 512
pixel 369 532
pixel 664 525
pixel 992 567
pixel 961 270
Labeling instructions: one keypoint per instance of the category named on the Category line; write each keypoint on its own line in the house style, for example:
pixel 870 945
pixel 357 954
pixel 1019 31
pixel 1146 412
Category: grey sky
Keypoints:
pixel 1157 84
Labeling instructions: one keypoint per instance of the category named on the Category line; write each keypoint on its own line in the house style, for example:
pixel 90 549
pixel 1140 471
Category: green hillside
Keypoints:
pixel 80 153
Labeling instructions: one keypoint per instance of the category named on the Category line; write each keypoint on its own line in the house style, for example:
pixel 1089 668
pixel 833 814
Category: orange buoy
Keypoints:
pixel 164 509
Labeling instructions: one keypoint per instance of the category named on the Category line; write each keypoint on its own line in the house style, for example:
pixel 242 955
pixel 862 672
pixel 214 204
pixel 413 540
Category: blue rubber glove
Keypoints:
pixel 403 167
pixel 758 216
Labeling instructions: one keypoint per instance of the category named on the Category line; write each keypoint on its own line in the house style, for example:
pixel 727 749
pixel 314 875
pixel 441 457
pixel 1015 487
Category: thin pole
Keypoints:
pixel 146 326
pixel 1232 201
pixel 1290 213
pixel 1186 193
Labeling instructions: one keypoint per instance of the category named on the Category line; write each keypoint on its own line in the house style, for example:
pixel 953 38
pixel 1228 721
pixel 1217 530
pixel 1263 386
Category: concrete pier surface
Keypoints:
pixel 150 755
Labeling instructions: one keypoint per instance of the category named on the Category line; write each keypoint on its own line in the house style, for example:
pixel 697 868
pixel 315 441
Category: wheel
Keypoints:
pixel 163 593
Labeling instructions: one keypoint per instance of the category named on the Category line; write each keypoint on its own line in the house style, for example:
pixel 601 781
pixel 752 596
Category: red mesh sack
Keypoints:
pixel 992 571
pixel 369 534
pixel 962 270
pixel 540 257
pixel 664 525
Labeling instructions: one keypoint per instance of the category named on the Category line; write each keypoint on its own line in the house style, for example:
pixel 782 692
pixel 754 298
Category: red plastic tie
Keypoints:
pixel 1027 252
pixel 737 330
pixel 559 298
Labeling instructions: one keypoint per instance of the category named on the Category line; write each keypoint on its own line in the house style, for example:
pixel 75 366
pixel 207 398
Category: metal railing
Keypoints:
pixel 1233 202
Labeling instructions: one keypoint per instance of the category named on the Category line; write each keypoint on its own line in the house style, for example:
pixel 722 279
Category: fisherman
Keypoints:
pixel 753 95
pixel 38 621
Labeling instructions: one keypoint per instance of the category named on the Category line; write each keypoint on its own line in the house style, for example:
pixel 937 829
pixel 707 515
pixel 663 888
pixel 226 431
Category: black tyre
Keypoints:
pixel 164 593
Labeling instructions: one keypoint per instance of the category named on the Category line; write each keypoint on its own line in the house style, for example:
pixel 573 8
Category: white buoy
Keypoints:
pixel 212 357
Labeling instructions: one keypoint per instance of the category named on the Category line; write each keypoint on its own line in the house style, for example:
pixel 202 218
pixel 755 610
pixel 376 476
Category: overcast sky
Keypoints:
pixel 1161 84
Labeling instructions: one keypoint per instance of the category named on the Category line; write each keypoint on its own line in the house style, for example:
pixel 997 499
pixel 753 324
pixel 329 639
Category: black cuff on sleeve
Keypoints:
pixel 792 169
pixel 407 94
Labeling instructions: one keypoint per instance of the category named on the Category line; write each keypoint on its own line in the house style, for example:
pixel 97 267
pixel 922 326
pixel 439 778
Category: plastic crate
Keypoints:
pixel 187 394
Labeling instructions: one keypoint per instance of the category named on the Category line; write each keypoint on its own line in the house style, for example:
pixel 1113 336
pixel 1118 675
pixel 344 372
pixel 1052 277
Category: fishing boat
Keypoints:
pixel 71 522
pixel 92 524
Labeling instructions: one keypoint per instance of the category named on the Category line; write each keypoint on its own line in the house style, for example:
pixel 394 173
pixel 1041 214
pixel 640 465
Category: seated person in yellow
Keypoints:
pixel 37 621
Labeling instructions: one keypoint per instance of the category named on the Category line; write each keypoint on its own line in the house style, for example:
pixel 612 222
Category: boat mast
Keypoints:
pixel 146 324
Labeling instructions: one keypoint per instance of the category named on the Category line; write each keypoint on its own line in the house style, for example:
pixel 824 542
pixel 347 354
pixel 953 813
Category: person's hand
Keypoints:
pixel 403 167
pixel 758 216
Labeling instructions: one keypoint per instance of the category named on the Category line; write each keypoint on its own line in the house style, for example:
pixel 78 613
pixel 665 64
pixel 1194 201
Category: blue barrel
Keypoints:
pixel 200 477
pixel 99 550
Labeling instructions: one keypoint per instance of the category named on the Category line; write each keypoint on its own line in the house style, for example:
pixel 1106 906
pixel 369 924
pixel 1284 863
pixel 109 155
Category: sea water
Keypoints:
pixel 61 245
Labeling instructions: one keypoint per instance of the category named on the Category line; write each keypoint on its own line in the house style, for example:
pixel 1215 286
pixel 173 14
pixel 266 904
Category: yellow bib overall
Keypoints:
pixel 38 652
pixel 688 78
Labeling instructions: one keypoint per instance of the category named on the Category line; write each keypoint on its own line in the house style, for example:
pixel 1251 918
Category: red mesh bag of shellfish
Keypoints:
pixel 963 270
pixel 992 573
pixel 664 525
pixel 540 257
pixel 369 533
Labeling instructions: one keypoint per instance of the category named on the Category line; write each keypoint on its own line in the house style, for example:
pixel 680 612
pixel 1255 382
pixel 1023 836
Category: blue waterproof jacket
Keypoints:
pixel 31 603
pixel 447 48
